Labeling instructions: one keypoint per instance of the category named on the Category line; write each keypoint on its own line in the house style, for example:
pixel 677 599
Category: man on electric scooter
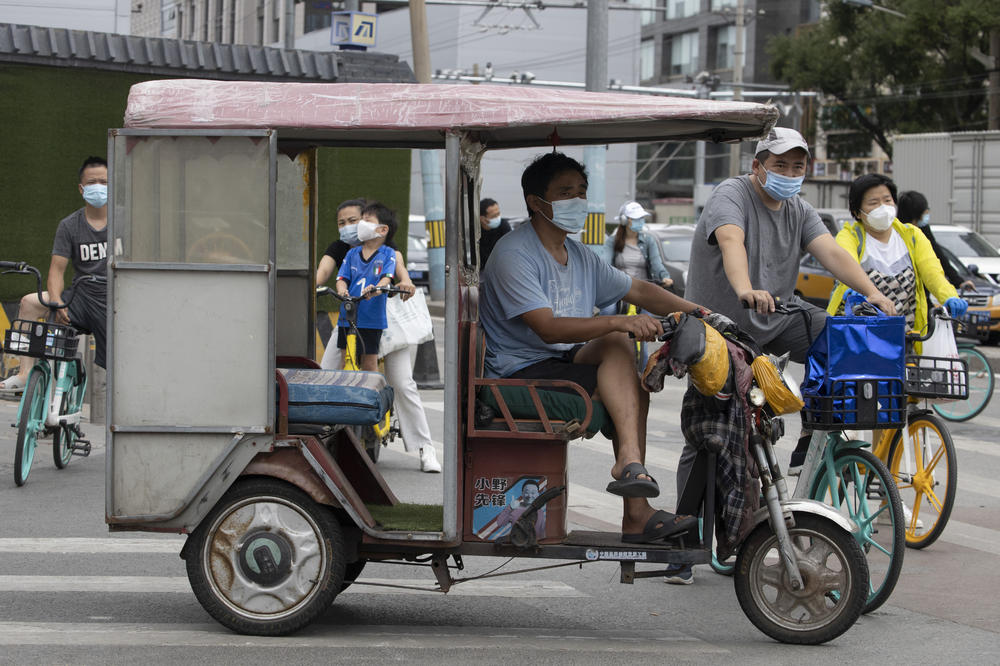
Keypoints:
pixel 538 293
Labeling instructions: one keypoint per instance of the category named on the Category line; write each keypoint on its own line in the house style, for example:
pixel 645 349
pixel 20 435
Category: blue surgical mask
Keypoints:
pixel 782 187
pixel 924 220
pixel 349 234
pixel 96 195
pixel 637 224
pixel 570 215
pixel 493 222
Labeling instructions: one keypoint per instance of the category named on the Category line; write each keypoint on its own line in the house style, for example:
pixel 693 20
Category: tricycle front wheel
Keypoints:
pixel 834 573
pixel 267 559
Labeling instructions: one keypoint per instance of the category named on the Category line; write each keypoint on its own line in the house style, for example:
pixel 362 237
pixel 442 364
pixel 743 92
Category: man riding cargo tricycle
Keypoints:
pixel 213 216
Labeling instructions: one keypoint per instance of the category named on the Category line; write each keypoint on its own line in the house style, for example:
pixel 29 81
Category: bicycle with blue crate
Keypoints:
pixel 52 402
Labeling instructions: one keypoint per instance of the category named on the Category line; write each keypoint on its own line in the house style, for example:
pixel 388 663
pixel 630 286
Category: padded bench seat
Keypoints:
pixel 336 396
pixel 558 406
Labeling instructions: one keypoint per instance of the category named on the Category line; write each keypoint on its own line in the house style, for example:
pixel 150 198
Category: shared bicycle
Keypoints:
pixel 973 327
pixel 53 395
pixel 374 437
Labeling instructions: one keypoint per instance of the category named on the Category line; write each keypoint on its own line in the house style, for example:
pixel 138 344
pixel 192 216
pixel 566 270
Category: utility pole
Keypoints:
pixel 994 94
pixel 738 52
pixel 430 163
pixel 595 157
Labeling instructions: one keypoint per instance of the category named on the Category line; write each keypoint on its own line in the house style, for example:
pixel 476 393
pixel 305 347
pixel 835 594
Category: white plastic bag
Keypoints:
pixel 409 323
pixel 941 345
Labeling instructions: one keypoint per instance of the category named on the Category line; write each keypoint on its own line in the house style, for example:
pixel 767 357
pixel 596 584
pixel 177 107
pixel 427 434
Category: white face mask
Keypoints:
pixel 493 222
pixel 880 219
pixel 367 231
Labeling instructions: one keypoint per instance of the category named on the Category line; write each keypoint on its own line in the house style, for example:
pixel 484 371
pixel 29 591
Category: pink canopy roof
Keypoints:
pixel 418 115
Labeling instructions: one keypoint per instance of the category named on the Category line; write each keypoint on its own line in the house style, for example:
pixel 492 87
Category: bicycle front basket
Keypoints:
pixel 39 339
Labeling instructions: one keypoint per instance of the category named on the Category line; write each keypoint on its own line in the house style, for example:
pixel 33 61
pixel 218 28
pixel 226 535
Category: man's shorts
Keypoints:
pixel 370 337
pixel 562 367
pixel 87 313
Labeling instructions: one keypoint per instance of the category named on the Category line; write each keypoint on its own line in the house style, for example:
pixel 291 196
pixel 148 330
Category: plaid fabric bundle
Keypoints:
pixel 720 426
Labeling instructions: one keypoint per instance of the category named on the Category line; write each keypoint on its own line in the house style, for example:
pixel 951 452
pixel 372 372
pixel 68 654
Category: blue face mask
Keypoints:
pixel 924 220
pixel 570 215
pixel 96 195
pixel 637 224
pixel 782 187
pixel 349 234
pixel 493 222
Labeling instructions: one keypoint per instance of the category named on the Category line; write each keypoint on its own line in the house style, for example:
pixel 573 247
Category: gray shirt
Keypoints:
pixel 522 276
pixel 774 240
pixel 84 246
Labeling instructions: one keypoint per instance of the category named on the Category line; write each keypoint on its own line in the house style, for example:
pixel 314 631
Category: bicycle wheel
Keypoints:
pixel 30 422
pixel 865 493
pixel 981 383
pixel 72 401
pixel 925 468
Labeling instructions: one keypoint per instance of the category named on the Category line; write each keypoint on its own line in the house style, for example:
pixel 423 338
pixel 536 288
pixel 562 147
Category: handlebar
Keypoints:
pixel 391 291
pixel 23 268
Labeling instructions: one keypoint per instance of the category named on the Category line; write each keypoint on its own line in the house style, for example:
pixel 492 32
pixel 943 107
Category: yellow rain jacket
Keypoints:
pixel 926 265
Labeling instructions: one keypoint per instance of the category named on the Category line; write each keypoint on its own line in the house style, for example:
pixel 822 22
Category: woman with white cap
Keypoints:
pixel 633 250
pixel 636 252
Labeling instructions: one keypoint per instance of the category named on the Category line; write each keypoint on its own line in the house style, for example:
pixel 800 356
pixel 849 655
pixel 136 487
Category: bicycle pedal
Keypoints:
pixel 80 447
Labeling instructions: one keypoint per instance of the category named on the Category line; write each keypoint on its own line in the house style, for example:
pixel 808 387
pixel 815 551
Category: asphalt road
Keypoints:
pixel 70 592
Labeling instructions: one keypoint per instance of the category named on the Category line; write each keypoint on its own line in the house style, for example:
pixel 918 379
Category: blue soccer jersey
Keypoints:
pixel 358 274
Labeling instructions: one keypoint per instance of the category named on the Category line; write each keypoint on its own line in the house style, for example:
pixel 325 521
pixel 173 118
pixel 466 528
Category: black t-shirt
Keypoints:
pixel 337 250
pixel 488 238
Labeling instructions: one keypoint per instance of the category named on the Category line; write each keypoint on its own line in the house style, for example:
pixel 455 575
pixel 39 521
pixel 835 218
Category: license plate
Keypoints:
pixel 416 275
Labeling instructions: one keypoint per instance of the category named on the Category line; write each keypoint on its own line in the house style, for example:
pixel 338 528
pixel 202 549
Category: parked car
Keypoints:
pixel 834 218
pixel 416 252
pixel 815 283
pixel 675 248
pixel 970 248
pixel 986 295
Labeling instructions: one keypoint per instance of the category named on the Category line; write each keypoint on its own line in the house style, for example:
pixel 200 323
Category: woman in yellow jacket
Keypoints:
pixel 897 257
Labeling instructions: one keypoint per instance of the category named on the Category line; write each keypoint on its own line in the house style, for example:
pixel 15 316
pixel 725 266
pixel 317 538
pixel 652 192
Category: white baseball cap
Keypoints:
pixel 780 140
pixel 632 210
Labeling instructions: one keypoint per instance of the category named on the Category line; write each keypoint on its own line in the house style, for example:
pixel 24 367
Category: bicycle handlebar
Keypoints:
pixel 23 268
pixel 391 291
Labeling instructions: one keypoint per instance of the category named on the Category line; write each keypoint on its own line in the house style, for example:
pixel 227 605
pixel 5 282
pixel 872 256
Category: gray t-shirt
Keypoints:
pixel 522 276
pixel 775 242
pixel 84 246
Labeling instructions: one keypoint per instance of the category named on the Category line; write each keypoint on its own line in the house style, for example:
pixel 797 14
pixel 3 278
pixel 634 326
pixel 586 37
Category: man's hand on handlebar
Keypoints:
pixel 758 300
pixel 641 326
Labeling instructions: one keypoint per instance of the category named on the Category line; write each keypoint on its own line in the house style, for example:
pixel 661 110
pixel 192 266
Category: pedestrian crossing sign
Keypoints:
pixel 353 30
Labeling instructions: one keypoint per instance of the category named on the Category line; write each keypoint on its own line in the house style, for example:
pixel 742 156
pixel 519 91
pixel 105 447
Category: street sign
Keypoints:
pixel 353 29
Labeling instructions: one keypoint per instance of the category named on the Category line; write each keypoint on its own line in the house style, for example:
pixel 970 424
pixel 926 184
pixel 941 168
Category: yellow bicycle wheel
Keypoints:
pixel 925 469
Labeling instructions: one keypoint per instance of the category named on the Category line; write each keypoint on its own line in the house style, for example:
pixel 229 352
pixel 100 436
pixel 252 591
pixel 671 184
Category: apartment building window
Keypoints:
pixel 168 19
pixel 680 8
pixel 648 17
pixel 647 53
pixel 318 15
pixel 205 22
pixel 219 13
pixel 232 22
pixel 259 36
pixel 720 47
pixel 680 54
pixel 275 22
pixel 723 4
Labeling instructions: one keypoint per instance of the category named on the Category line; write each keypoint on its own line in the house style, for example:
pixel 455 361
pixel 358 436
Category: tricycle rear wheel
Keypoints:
pixel 267 559
pixel 834 572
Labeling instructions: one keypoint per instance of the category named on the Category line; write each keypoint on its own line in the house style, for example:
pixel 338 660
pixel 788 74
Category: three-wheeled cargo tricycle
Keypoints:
pixel 220 427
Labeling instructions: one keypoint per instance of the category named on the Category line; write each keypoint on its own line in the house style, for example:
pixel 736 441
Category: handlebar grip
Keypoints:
pixel 15 265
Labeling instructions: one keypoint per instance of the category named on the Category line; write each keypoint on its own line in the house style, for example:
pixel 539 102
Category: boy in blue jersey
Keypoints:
pixel 365 268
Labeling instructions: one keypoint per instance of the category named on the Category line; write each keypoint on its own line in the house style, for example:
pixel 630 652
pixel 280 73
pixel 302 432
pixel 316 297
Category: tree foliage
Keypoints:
pixel 891 74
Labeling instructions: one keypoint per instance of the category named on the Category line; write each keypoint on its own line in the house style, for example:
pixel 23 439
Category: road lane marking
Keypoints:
pixel 54 545
pixel 439 638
